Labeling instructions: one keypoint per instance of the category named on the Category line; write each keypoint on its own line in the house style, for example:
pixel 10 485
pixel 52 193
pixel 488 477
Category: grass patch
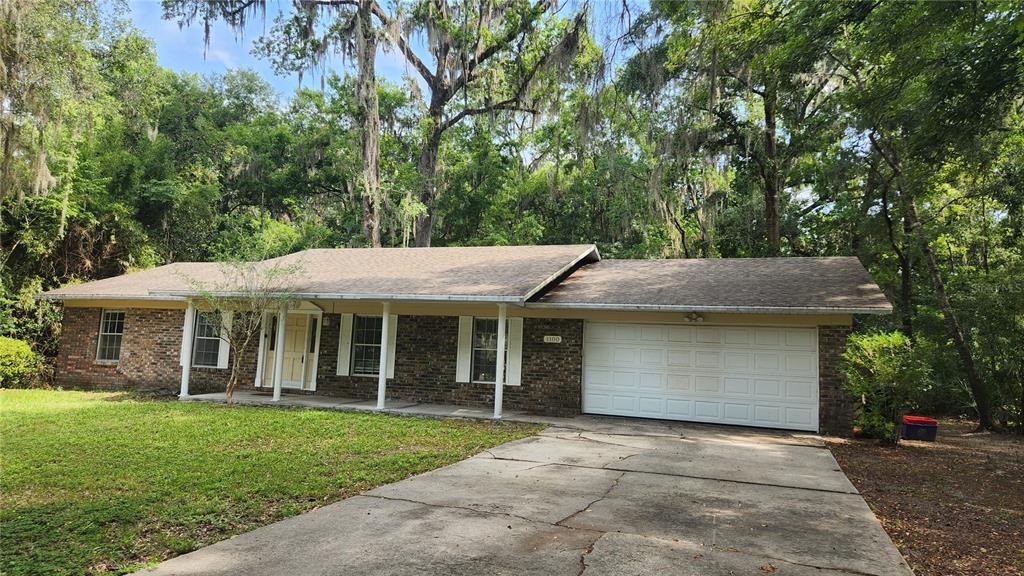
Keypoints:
pixel 101 483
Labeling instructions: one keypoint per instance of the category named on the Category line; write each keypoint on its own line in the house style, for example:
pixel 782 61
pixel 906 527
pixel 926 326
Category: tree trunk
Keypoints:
pixel 770 172
pixel 906 284
pixel 366 44
pixel 979 390
pixel 428 173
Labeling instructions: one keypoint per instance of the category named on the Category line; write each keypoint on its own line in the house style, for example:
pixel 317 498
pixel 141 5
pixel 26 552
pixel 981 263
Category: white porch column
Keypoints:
pixel 186 348
pixel 499 370
pixel 382 377
pixel 282 319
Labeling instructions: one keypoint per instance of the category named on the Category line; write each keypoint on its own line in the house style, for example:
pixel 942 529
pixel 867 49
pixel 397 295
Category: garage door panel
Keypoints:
pixel 653 333
pixel 735 361
pixel 767 362
pixel 651 406
pixel 627 332
pixel 677 382
pixel 800 390
pixel 709 335
pixel 599 354
pixel 597 402
pixel 597 376
pixel 705 383
pixel 768 388
pixel 600 332
pixel 624 355
pixel 652 381
pixel 680 357
pixel 799 417
pixel 707 359
pixel 680 334
pixel 621 403
pixel 737 336
pixel 706 409
pixel 652 356
pixel 800 364
pixel 756 376
pixel 737 386
pixel 770 337
pixel 678 409
pixel 736 413
pixel 800 339
pixel 768 416
pixel 624 380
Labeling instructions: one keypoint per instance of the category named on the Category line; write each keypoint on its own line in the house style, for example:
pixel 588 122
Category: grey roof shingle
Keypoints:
pixel 839 284
pixel 490 273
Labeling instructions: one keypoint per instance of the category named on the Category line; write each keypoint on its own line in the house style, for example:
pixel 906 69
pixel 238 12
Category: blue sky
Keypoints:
pixel 183 50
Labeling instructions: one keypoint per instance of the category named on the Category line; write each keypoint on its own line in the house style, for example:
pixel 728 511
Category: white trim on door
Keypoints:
pixel 310 370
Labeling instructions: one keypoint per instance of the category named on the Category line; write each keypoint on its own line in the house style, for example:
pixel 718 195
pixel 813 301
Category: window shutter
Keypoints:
pixel 186 327
pixel 225 344
pixel 465 350
pixel 261 354
pixel 514 369
pixel 392 339
pixel 345 345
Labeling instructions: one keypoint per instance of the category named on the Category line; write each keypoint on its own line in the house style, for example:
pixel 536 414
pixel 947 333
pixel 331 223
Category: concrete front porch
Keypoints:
pixel 407 408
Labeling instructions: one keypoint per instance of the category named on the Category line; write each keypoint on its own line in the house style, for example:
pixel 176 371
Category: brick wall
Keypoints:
pixel 149 359
pixel 149 350
pixel 425 360
pixel 835 412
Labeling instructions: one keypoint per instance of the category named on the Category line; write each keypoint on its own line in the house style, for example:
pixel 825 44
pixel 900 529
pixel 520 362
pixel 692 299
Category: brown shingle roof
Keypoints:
pixel 837 284
pixel 490 273
pixel 135 285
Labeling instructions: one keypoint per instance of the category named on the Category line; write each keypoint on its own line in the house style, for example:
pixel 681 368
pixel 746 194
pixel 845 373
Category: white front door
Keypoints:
pixel 295 350
pixel 746 375
pixel 301 348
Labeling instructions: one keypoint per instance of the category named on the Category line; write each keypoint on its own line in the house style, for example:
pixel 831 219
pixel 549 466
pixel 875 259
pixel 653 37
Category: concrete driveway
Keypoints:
pixel 603 497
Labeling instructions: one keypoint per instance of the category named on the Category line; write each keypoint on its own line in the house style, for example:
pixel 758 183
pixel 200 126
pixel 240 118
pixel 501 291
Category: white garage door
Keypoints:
pixel 751 376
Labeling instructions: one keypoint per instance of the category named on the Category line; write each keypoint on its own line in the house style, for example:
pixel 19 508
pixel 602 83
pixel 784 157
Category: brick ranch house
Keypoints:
pixel 751 342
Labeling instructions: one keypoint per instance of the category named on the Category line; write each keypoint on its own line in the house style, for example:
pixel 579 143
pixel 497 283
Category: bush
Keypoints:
pixel 19 365
pixel 883 370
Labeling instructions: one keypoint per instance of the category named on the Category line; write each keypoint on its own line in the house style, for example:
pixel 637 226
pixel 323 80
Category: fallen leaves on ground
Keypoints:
pixel 954 507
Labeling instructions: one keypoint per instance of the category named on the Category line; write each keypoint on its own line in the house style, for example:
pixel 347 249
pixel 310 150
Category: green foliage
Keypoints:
pixel 19 365
pixel 666 155
pixel 102 483
pixel 884 372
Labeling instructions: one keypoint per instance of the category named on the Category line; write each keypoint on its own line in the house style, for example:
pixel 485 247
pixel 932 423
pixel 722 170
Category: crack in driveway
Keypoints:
pixel 615 483
pixel 612 466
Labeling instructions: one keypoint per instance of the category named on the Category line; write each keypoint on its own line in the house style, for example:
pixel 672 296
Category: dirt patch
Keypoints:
pixel 953 507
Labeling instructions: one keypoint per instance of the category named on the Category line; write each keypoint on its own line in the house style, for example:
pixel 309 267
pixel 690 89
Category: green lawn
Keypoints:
pixel 100 482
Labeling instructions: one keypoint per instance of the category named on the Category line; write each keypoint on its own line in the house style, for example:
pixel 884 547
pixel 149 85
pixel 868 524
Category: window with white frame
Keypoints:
pixel 366 333
pixel 485 349
pixel 108 348
pixel 206 342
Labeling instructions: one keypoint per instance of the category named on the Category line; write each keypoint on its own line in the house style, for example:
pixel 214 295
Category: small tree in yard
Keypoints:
pixel 247 289
pixel 884 372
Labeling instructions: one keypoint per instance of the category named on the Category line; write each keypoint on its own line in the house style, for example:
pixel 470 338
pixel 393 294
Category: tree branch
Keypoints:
pixel 403 46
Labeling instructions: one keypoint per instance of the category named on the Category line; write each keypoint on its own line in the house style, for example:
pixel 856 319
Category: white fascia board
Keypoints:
pixel 517 300
pixel 734 309
pixel 547 281
pixel 152 296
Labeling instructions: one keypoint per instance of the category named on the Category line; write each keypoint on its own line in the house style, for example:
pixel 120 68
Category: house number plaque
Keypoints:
pixel 552 339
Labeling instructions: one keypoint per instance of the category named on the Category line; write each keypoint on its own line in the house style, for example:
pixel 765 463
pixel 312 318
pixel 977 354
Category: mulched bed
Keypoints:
pixel 953 507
